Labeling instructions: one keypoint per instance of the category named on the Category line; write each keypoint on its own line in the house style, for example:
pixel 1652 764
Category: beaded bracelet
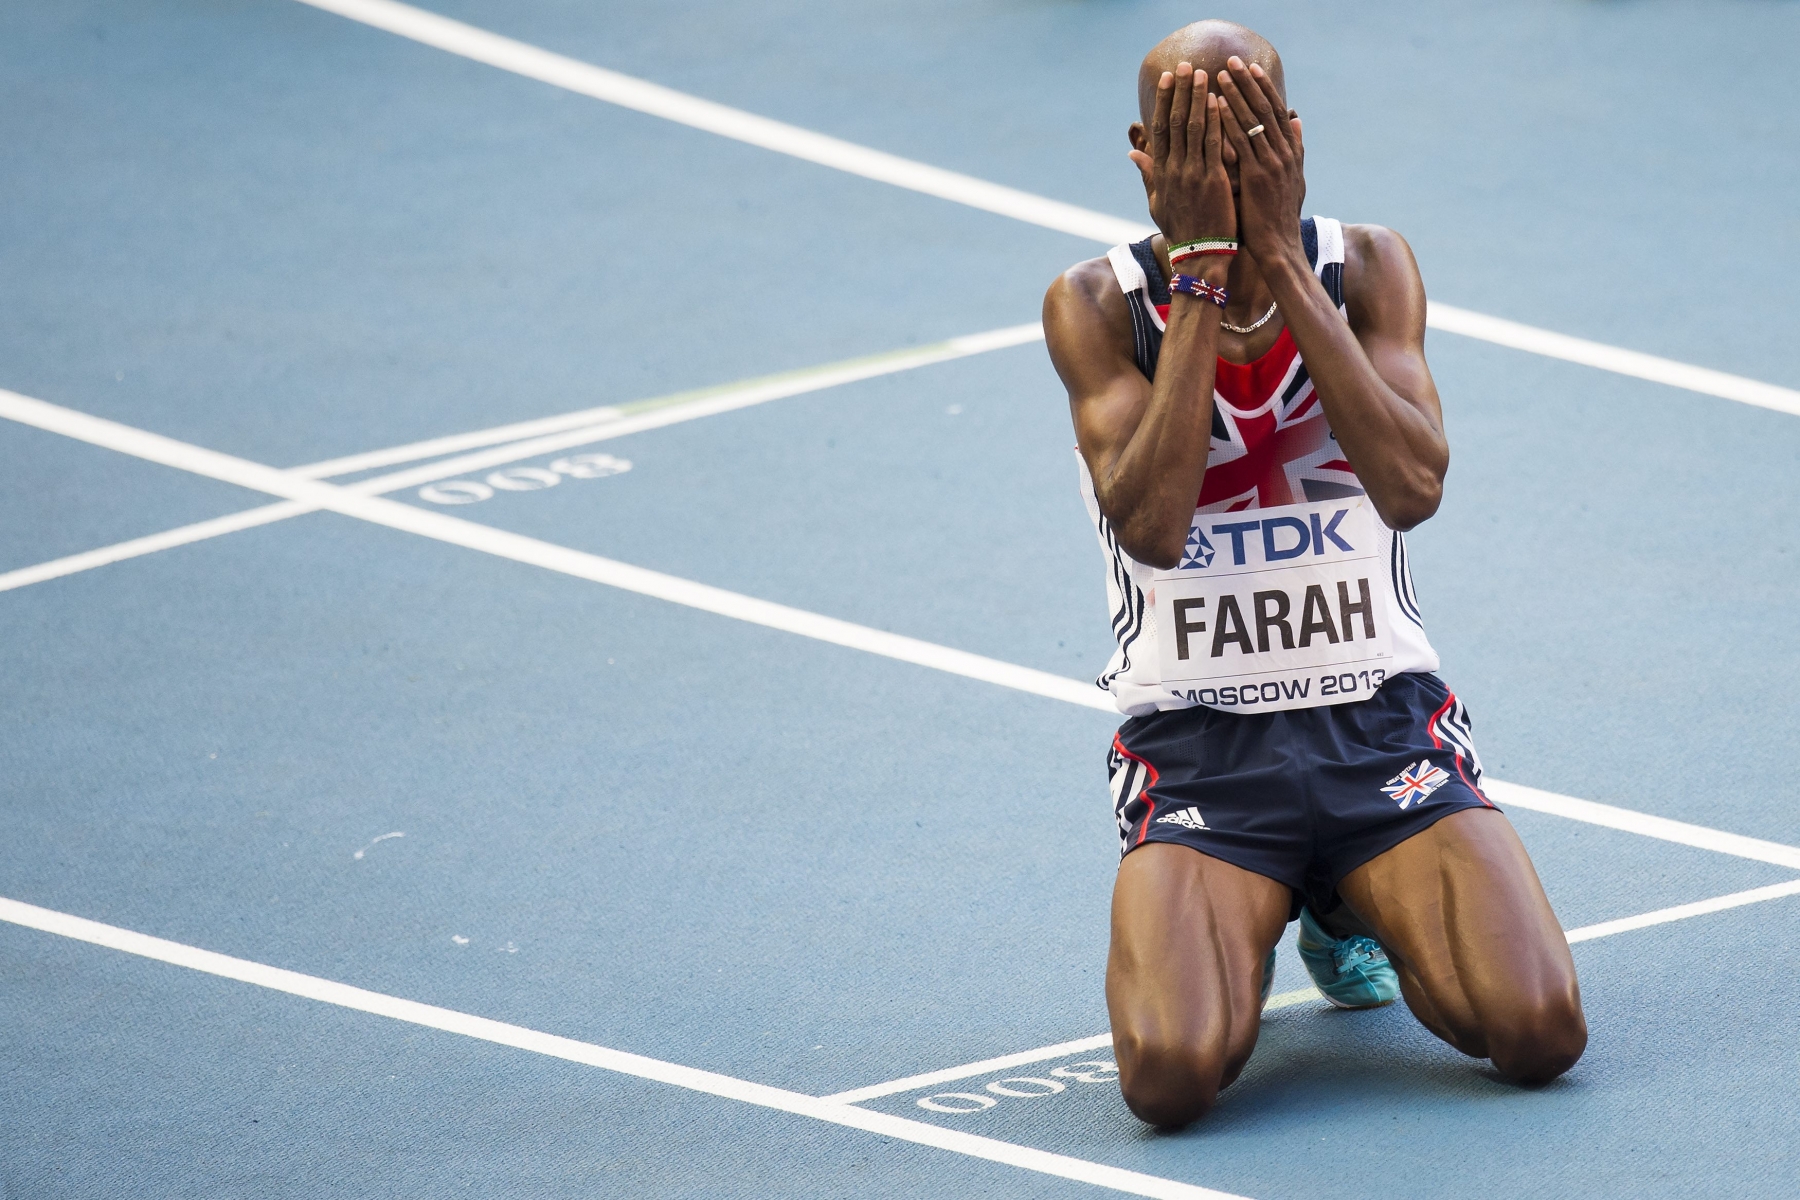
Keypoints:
pixel 1193 285
pixel 1202 246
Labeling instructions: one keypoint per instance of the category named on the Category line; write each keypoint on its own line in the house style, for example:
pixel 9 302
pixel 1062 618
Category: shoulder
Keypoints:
pixel 1376 255
pixel 1382 286
pixel 1087 327
pixel 1087 291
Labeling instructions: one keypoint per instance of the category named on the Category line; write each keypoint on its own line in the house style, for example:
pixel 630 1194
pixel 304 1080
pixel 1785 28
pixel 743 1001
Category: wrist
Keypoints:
pixel 1212 295
pixel 1188 255
pixel 1214 269
pixel 1286 266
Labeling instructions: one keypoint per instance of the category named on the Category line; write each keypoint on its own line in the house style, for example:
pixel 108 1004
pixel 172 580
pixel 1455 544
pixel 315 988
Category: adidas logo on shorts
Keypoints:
pixel 1187 818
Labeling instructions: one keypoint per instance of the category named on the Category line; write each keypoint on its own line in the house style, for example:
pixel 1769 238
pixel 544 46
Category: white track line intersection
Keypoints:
pixel 691 1078
pixel 1006 1062
pixel 557 70
pixel 527 439
pixel 458 532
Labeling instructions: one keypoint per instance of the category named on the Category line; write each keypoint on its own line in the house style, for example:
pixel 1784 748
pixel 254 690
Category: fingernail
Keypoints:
pixel 1256 70
pixel 1167 80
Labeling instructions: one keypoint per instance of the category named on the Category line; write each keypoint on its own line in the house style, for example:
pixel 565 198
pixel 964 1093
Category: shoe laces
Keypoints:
pixel 1354 954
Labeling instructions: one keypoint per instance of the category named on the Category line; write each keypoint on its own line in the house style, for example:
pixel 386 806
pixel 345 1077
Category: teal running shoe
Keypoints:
pixel 1268 976
pixel 1351 972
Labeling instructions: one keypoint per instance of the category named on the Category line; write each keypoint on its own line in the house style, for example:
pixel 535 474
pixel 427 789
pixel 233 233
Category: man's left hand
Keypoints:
pixel 1271 165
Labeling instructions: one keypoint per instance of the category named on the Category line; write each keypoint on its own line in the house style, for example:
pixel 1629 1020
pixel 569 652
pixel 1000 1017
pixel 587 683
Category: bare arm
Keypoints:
pixel 1146 445
pixel 1371 375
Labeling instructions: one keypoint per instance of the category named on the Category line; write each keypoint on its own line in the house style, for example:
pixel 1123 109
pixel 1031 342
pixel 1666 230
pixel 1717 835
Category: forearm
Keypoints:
pixel 1149 487
pixel 1396 449
pixel 1150 491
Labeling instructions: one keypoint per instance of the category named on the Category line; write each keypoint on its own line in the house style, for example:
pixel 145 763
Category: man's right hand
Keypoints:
pixel 1184 170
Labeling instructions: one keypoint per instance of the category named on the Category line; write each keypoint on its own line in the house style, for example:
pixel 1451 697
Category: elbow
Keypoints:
pixel 1162 553
pixel 1153 538
pixel 1416 505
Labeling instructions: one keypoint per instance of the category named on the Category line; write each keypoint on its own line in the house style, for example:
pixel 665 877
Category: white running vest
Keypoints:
pixel 1291 592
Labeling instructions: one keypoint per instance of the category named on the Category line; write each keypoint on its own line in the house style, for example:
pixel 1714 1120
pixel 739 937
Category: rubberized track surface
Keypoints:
pixel 664 821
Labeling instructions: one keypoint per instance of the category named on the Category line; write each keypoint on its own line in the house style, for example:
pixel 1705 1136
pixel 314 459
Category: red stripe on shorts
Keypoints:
pixel 1144 791
pixel 1456 751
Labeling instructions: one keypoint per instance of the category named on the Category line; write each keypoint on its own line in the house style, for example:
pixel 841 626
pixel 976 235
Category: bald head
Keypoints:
pixel 1206 44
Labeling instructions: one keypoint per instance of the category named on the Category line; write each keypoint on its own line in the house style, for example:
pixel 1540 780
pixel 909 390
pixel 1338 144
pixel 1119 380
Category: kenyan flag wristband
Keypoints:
pixel 1202 246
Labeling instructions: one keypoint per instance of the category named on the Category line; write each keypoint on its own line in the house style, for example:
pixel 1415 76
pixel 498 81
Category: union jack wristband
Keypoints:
pixel 1193 285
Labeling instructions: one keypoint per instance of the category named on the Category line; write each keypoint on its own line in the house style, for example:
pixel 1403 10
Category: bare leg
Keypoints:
pixel 1190 935
pixel 1481 958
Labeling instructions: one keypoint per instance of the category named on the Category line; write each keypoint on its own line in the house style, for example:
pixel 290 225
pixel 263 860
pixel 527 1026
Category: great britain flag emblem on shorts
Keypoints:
pixel 1414 784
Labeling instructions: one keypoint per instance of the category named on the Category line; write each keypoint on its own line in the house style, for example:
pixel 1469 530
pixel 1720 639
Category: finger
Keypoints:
pixel 1215 135
pixel 1233 129
pixel 1241 113
pixel 1159 120
pixel 1256 109
pixel 1269 107
pixel 1197 118
pixel 1215 155
pixel 1178 113
pixel 1299 161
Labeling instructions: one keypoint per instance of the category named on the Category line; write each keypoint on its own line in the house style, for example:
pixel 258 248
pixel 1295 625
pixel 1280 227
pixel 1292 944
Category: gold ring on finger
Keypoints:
pixel 1253 131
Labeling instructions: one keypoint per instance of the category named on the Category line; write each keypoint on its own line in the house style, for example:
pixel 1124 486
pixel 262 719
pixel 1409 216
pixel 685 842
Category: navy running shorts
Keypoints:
pixel 1304 796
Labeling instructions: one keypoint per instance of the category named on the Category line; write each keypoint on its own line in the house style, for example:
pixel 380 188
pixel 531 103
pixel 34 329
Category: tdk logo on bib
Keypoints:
pixel 1198 552
pixel 1270 539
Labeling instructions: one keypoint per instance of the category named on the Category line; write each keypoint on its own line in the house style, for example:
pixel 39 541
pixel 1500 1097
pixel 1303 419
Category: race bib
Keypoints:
pixel 1277 608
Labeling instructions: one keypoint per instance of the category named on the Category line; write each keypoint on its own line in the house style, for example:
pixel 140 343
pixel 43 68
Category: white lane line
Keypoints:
pixel 585 79
pixel 541 436
pixel 369 460
pixel 1616 359
pixel 708 1082
pixel 1103 1041
pixel 685 406
pixel 657 101
pixel 1006 1062
pixel 1682 912
pixel 87 560
pixel 708 402
pixel 458 532
pixel 1516 795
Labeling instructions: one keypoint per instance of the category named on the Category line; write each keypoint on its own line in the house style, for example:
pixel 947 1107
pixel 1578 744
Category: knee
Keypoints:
pixel 1169 1084
pixel 1539 1041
